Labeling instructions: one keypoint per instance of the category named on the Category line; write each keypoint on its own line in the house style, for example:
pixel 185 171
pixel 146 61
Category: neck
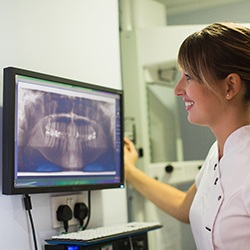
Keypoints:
pixel 234 115
pixel 224 132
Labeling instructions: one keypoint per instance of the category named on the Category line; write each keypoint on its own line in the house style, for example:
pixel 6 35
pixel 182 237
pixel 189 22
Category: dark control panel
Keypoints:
pixel 135 242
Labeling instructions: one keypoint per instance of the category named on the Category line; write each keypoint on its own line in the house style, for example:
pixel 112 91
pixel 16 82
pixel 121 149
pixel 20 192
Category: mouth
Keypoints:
pixel 189 104
pixel 68 141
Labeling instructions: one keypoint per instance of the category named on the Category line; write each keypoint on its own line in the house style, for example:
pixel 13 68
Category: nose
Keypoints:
pixel 179 89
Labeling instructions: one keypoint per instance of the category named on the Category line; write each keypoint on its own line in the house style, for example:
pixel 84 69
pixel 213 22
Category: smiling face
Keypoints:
pixel 203 105
pixel 216 90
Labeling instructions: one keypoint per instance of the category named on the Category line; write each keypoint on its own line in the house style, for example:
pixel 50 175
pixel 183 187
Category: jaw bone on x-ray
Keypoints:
pixel 64 133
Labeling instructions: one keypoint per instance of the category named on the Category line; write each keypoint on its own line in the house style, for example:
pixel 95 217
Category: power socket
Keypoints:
pixel 70 200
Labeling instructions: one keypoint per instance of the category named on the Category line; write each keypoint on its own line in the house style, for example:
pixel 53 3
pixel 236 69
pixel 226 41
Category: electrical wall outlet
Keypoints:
pixel 70 200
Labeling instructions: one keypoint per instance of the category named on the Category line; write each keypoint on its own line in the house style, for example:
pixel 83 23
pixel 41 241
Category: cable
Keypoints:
pixel 89 213
pixel 28 207
pixel 130 243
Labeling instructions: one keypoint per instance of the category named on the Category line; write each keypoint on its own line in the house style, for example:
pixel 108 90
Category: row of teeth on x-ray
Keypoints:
pixel 70 129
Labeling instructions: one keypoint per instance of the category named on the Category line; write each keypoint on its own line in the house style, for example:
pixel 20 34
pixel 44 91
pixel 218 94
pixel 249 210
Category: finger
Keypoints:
pixel 126 140
pixel 126 148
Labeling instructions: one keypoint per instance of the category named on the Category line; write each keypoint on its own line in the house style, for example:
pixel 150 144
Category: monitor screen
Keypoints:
pixel 60 134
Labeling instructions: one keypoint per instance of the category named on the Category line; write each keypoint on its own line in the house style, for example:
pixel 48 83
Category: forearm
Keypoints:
pixel 168 198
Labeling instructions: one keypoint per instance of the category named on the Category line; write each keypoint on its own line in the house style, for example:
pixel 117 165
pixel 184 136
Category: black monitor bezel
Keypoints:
pixel 8 148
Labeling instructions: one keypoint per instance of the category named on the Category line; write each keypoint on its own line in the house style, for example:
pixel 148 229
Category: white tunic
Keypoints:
pixel 220 212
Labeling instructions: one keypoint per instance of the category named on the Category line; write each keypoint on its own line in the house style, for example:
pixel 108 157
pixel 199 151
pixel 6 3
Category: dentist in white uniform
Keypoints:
pixel 215 87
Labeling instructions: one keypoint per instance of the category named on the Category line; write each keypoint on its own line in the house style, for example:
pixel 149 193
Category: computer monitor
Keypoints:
pixel 60 134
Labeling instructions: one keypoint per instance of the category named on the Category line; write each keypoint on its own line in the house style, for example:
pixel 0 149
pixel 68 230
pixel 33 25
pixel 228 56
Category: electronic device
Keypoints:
pixel 60 134
pixel 103 234
pixel 135 242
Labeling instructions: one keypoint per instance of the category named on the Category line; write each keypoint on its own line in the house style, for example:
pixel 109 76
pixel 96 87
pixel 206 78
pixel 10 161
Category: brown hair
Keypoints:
pixel 216 51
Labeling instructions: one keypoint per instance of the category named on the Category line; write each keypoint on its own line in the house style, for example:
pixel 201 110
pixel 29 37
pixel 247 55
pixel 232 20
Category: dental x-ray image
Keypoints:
pixel 61 132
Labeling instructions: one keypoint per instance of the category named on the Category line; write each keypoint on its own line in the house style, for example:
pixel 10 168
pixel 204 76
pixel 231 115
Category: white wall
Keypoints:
pixel 233 12
pixel 74 39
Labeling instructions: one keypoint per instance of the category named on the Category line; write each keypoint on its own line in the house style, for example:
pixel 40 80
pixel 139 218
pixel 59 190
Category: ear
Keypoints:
pixel 233 85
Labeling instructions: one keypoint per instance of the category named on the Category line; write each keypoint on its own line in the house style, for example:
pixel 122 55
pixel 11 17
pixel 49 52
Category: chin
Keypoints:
pixel 195 121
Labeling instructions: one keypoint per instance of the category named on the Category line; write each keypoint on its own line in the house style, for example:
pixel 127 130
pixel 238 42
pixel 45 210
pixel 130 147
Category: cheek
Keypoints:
pixel 200 93
pixel 206 111
pixel 208 102
pixel 207 106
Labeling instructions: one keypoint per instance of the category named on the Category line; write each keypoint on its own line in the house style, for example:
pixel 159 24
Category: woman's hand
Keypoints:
pixel 130 156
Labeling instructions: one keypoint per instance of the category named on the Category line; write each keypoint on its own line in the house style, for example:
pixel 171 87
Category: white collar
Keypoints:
pixel 236 138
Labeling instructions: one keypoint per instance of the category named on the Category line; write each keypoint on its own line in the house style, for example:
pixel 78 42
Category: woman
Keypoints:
pixel 215 87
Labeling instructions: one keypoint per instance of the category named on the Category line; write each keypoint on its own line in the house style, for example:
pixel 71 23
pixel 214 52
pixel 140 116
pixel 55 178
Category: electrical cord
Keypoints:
pixel 130 243
pixel 89 212
pixel 28 207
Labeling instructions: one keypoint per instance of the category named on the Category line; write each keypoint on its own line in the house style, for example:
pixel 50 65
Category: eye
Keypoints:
pixel 187 76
